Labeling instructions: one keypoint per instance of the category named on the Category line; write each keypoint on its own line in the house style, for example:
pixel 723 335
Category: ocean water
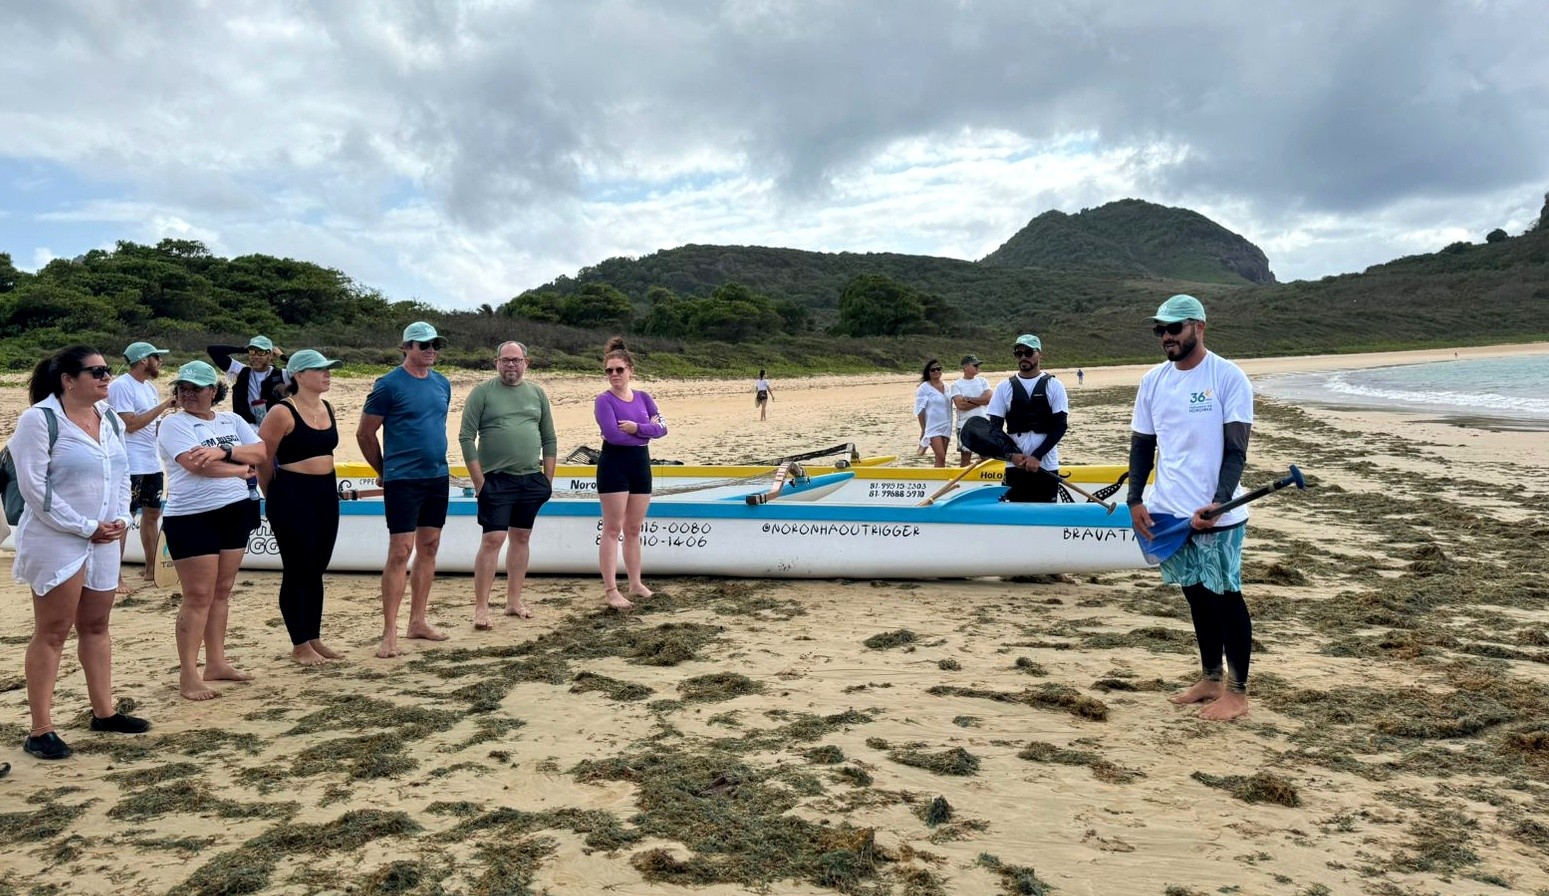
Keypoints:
pixel 1504 391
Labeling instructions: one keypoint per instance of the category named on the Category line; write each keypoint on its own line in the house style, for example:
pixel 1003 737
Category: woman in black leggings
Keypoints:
pixel 303 499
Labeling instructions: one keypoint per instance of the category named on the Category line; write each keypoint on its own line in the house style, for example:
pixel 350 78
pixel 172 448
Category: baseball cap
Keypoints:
pixel 196 372
pixel 139 351
pixel 419 331
pixel 1179 307
pixel 1030 341
pixel 261 342
pixel 970 359
pixel 310 359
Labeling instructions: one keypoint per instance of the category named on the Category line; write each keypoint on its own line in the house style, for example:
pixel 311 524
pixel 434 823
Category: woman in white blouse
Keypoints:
pixel 209 456
pixel 77 497
pixel 934 411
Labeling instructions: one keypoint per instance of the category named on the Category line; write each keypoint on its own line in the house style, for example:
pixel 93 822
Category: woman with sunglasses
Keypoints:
pixel 77 495
pixel 629 420
pixel 934 410
pixel 209 456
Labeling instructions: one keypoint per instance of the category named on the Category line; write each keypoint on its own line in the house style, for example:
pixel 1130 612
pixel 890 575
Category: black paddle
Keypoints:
pixel 1168 532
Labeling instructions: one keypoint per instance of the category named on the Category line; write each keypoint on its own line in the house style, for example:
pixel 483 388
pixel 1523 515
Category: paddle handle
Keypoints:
pixel 1294 478
pixel 955 480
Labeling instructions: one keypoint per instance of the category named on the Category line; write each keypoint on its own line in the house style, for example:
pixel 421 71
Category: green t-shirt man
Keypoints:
pixel 507 428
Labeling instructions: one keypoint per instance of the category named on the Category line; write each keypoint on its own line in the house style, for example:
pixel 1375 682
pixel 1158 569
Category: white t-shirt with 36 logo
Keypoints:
pixel 1186 410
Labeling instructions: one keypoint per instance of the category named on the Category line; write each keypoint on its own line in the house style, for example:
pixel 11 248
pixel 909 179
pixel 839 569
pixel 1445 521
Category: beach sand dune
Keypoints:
pixel 975 736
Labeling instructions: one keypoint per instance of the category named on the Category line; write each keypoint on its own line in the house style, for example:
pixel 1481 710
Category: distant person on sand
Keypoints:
pixel 409 405
pixel 303 498
pixel 67 540
pixel 970 397
pixel 1080 376
pixel 210 512
pixel 508 442
pixel 934 411
pixel 762 395
pixel 139 406
pixel 254 384
pixel 1197 408
pixel 629 420
pixel 1033 408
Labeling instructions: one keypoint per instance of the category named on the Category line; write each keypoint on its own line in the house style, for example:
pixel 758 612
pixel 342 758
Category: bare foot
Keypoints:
pixel 388 647
pixel 324 650
pixel 124 588
pixel 1228 706
pixel 1202 692
pixel 195 689
pixel 425 632
pixel 616 600
pixel 304 655
pixel 225 672
pixel 519 610
pixel 481 621
pixel 641 592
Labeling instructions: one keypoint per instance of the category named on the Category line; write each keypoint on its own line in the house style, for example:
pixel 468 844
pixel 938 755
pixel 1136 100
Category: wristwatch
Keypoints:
pixel 227 449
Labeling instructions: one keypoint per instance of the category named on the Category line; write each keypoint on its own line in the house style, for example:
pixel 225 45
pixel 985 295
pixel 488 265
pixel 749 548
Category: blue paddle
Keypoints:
pixel 1168 532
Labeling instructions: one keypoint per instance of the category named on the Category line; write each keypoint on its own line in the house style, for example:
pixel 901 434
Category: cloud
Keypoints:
pixel 462 152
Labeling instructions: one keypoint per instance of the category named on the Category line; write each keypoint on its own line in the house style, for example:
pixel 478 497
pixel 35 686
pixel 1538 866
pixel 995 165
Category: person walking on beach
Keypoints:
pixel 1197 410
pixel 73 472
pixel 1033 408
pixel 209 455
pixel 508 442
pixel 762 395
pixel 934 411
pixel 410 406
pixel 254 384
pixel 303 498
pixel 629 420
pixel 970 397
pixel 1080 376
pixel 139 406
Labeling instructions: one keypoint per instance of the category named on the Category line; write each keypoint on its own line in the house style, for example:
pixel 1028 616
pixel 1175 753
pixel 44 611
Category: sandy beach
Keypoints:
pixel 970 736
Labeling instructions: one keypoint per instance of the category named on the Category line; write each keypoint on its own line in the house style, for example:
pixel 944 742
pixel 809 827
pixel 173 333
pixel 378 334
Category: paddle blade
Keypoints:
pixel 985 440
pixel 1168 533
pixel 163 569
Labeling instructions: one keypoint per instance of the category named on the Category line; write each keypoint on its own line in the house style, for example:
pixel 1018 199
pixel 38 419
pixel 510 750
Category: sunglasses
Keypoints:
pixel 1024 352
pixel 433 345
pixel 612 370
pixel 100 372
pixel 1172 329
pixel 935 370
pixel 258 351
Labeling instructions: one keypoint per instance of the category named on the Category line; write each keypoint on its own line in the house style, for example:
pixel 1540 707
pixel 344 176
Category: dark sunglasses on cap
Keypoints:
pixel 435 344
pixel 1172 329
pixel 100 372
pixel 1024 352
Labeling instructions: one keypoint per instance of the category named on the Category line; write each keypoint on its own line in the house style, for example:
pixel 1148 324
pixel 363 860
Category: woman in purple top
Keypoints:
pixel 629 421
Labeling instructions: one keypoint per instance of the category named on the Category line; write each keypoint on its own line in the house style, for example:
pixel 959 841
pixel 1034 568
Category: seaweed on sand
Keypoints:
pixel 357 712
pixel 45 823
pixel 1017 880
pixel 247 868
pixel 1102 769
pixel 899 638
pixel 359 758
pixel 718 686
pixel 1264 787
pixel 612 688
pixel 735 821
pixel 1045 696
pixel 953 761
pixel 192 798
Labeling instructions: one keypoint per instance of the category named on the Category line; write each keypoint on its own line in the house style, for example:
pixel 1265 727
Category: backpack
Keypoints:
pixel 14 503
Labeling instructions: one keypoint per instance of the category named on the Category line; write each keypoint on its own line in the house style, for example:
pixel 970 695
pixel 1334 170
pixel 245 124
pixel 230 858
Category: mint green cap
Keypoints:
pixel 310 359
pixel 139 351
pixel 1030 341
pixel 261 342
pixel 419 331
pixel 1179 307
pixel 196 372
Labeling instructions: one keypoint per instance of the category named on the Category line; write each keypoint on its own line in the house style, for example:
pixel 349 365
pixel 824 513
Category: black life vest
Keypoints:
pixel 1030 412
pixel 273 379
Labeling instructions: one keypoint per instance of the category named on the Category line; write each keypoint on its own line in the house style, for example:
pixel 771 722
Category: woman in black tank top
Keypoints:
pixel 303 499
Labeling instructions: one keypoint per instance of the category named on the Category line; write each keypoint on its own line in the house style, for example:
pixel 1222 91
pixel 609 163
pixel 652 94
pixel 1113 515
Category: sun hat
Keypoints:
pixel 139 351
pixel 1030 341
pixel 261 342
pixel 196 372
pixel 310 359
pixel 970 359
pixel 419 331
pixel 1179 307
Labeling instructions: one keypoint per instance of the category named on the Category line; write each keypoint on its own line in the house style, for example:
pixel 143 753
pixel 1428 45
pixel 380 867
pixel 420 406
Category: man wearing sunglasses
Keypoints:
pixel 1033 407
pixel 255 380
pixel 1197 410
pixel 409 405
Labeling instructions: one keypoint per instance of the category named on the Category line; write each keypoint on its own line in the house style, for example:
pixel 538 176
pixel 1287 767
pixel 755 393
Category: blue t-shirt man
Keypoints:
pixel 413 411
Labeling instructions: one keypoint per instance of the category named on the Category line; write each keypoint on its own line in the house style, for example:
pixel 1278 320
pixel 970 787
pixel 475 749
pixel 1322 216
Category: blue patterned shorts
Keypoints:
pixel 1212 559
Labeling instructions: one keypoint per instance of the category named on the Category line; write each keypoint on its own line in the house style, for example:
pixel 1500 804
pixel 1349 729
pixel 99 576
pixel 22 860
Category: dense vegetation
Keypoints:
pixel 731 309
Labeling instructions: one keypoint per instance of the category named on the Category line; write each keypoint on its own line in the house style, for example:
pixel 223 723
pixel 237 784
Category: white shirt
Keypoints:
pixel 129 395
pixel 970 387
pixel 937 408
pixel 90 485
pixel 189 493
pixel 1028 442
pixel 1186 410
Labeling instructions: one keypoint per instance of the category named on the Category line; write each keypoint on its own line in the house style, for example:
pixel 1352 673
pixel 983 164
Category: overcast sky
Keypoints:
pixel 459 153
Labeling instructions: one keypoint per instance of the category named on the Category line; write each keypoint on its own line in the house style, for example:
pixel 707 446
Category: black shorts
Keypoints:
pixel 511 500
pixel 411 504
pixel 1031 488
pixel 624 468
pixel 761 397
pixel 212 531
pixel 145 491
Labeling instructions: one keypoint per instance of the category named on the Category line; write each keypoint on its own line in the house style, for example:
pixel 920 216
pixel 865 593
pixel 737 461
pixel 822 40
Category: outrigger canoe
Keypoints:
pixel 784 538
